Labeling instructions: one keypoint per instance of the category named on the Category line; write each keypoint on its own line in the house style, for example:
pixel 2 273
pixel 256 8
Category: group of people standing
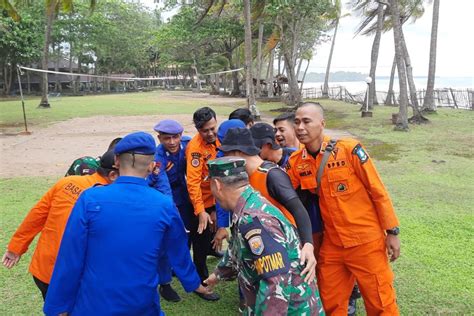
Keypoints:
pixel 309 221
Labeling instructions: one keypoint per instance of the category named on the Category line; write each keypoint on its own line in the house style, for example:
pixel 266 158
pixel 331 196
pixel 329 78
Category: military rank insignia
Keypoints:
pixel 360 153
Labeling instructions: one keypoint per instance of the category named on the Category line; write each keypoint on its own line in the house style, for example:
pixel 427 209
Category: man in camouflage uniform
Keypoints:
pixel 264 253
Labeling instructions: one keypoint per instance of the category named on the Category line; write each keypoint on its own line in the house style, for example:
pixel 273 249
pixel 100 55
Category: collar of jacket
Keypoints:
pixel 132 180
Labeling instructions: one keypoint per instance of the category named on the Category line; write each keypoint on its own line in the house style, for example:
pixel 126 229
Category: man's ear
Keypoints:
pixel 323 122
pixel 217 184
pixel 151 166
pixel 116 162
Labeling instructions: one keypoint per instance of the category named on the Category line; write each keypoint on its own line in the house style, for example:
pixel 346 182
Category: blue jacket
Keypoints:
pixel 107 262
pixel 173 166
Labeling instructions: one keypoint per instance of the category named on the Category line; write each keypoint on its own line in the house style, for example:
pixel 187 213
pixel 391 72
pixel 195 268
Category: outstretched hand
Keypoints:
pixel 204 219
pixel 10 259
pixel 308 259
pixel 219 237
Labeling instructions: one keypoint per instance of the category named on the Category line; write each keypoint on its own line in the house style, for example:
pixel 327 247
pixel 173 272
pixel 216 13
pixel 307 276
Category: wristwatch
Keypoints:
pixel 394 231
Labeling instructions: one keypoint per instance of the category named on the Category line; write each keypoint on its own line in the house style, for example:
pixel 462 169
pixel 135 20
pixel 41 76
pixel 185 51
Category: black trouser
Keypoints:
pixel 201 245
pixel 43 287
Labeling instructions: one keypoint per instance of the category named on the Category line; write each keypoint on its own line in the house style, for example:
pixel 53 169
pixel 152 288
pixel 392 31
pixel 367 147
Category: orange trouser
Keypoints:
pixel 339 267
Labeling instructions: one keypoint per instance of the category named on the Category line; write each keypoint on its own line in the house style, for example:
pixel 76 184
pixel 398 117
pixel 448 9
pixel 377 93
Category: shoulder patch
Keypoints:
pixel 195 162
pixel 270 258
pixel 360 152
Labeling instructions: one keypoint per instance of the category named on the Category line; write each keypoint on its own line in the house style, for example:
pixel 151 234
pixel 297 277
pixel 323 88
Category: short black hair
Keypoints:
pixel 287 116
pixel 242 114
pixel 202 116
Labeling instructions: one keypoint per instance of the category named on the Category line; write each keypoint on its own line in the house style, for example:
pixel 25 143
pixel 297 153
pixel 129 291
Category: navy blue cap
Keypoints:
pixel 136 143
pixel 169 127
pixel 226 125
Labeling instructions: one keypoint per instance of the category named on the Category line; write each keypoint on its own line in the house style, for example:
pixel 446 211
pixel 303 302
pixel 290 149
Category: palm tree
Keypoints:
pixel 51 10
pixel 336 15
pixel 390 100
pixel 248 60
pixel 428 103
pixel 402 120
pixel 371 9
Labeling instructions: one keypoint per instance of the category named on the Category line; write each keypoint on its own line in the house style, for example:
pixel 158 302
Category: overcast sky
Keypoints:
pixel 455 45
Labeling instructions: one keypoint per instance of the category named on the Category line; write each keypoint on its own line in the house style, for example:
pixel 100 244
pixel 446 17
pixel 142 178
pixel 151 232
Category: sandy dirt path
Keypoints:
pixel 49 151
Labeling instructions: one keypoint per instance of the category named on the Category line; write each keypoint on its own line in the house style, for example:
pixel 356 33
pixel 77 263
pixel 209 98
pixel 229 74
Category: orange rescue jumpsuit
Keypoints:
pixel 258 180
pixel 198 153
pixel 356 210
pixel 49 216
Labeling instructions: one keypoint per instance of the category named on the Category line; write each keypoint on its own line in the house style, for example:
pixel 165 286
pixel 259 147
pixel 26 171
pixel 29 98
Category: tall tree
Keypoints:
pixel 248 60
pixel 52 8
pixel 370 10
pixel 428 103
pixel 402 120
pixel 336 17
pixel 390 100
pixel 300 25
pixel 19 45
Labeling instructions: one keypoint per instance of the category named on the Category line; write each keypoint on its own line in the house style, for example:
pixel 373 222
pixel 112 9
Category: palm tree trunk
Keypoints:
pixel 428 103
pixel 259 58
pixel 270 74
pixel 248 61
pixel 302 79
pixel 375 54
pixel 328 68
pixel 390 95
pixel 50 14
pixel 417 116
pixel 402 119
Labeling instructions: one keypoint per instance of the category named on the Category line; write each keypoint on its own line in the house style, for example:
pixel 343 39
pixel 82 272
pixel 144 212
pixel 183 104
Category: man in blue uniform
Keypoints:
pixel 107 262
pixel 170 159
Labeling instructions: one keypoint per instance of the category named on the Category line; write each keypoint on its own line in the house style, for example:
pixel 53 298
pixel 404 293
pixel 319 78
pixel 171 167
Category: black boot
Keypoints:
pixel 168 293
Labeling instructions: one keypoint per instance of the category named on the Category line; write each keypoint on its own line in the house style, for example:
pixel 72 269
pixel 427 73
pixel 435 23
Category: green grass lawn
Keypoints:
pixel 143 103
pixel 428 171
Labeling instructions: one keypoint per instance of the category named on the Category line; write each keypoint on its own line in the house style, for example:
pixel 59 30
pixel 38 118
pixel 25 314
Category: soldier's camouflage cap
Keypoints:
pixel 226 166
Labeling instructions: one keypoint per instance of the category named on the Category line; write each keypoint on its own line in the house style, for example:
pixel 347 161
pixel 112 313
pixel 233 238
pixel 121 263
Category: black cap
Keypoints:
pixel 239 139
pixel 262 134
pixel 107 163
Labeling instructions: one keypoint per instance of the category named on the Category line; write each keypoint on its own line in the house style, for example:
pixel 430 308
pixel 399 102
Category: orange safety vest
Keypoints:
pixel 355 206
pixel 198 153
pixel 49 216
pixel 258 180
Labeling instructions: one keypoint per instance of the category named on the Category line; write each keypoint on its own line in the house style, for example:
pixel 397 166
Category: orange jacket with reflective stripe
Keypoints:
pixel 49 216
pixel 355 206
pixel 198 153
pixel 258 180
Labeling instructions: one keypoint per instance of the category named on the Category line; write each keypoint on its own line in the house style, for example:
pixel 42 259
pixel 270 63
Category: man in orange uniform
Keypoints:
pixel 360 225
pixel 49 216
pixel 201 149
pixel 273 183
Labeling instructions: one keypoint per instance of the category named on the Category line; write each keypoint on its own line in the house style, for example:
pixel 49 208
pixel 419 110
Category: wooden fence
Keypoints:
pixel 447 97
